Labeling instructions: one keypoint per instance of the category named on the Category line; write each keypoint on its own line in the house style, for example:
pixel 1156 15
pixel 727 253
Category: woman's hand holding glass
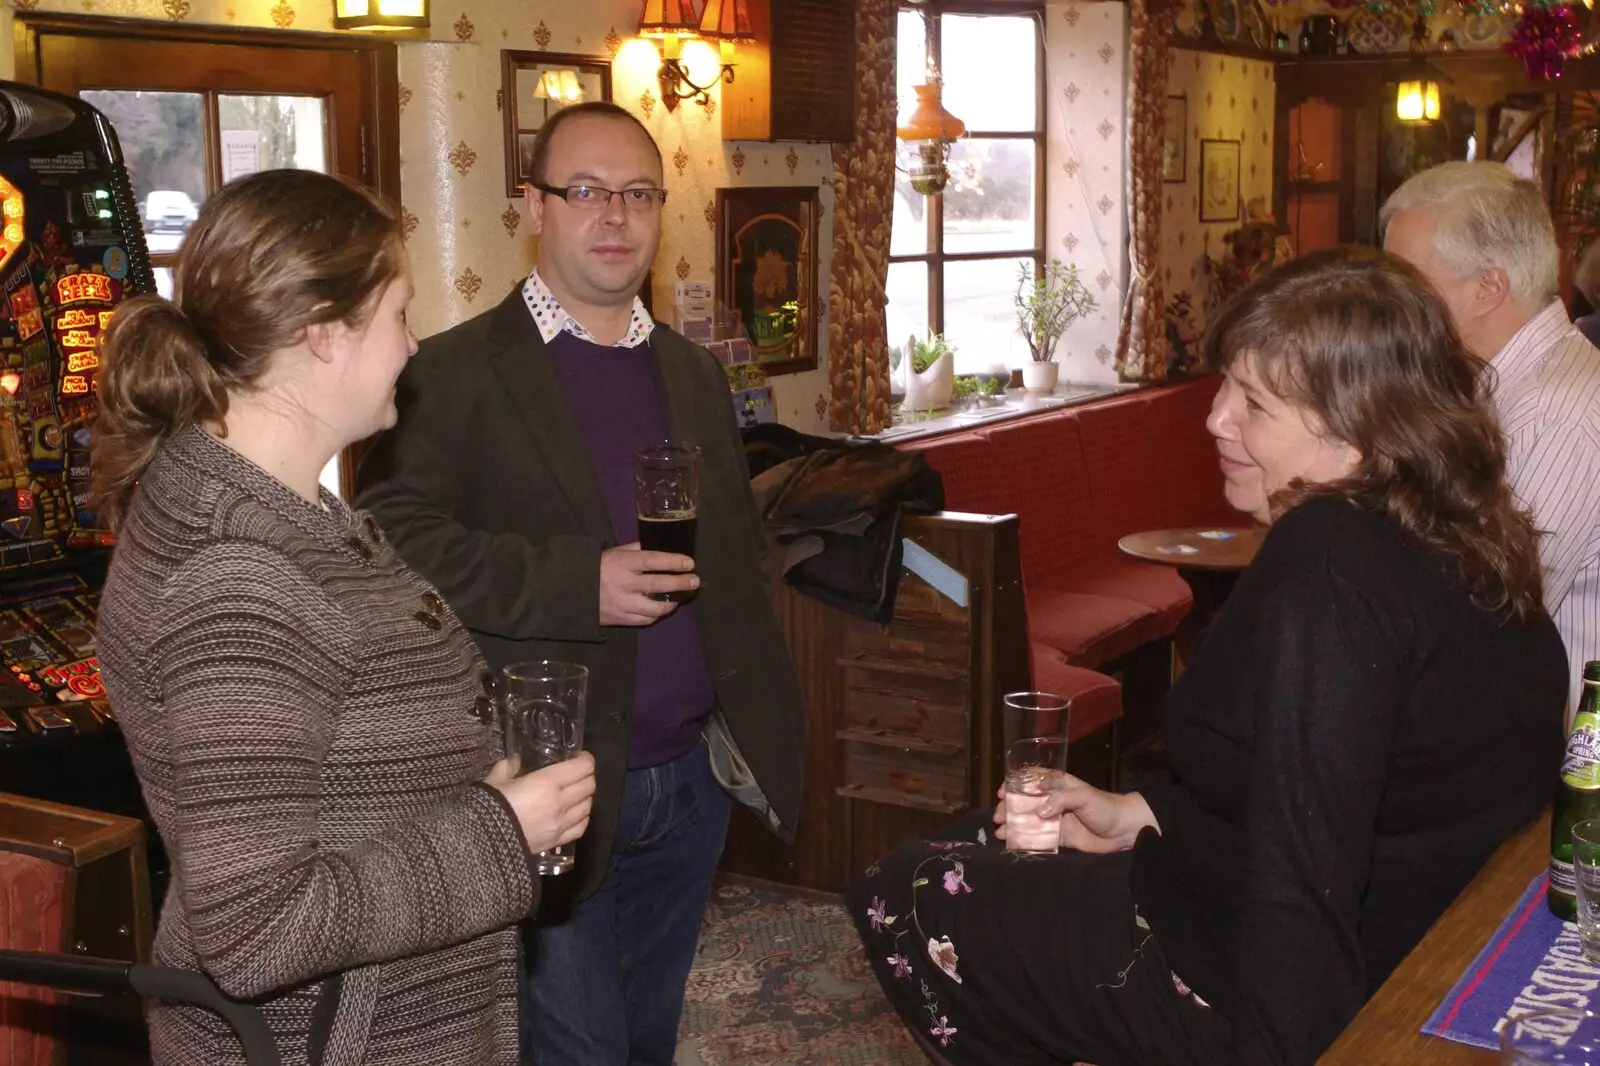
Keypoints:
pixel 551 804
pixel 1092 820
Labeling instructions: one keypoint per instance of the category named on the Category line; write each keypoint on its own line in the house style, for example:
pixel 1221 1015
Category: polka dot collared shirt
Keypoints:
pixel 552 318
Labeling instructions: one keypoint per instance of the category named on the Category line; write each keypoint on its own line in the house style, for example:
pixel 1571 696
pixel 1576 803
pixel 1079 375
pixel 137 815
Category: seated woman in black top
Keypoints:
pixel 1378 704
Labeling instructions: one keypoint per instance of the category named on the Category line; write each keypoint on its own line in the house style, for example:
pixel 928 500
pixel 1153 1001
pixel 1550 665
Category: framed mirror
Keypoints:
pixel 534 86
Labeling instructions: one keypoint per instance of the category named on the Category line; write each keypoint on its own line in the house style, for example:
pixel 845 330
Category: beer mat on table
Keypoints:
pixel 1533 962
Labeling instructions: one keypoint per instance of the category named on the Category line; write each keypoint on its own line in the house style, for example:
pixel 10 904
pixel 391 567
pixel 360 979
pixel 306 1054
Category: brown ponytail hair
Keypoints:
pixel 270 255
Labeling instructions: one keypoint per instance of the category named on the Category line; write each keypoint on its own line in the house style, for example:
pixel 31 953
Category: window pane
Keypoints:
pixel 907 313
pixel 164 281
pixel 990 66
pixel 989 203
pixel 908 230
pixel 979 317
pixel 911 62
pixel 163 140
pixel 268 132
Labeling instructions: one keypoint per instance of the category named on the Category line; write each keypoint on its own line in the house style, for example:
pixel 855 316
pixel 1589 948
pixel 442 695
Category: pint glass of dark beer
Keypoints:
pixel 666 484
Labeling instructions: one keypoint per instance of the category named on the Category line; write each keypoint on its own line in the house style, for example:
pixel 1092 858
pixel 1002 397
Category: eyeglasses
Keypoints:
pixel 594 198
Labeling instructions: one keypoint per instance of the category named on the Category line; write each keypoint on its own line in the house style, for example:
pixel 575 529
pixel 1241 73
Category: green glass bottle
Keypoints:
pixel 1577 795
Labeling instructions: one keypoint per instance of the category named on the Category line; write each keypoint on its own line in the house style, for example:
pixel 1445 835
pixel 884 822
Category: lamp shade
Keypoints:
pixel 669 18
pixel 929 121
pixel 380 14
pixel 1417 101
pixel 727 20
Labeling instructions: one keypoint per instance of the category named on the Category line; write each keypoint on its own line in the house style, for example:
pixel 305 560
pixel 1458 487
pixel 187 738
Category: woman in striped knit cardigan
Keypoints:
pixel 312 727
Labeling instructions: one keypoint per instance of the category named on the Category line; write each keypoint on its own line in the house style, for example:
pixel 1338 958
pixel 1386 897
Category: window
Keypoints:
pixel 194 107
pixel 954 258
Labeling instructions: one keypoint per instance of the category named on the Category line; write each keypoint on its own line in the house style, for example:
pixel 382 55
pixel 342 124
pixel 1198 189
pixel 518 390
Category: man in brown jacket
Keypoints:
pixel 508 483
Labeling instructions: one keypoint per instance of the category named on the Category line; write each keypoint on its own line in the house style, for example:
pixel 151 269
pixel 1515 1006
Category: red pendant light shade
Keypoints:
pixel 668 18
pixel 727 20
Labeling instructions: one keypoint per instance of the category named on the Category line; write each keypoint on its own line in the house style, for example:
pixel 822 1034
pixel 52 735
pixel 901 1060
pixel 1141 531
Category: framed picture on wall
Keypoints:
pixel 1175 140
pixel 767 272
pixel 534 86
pixel 1219 181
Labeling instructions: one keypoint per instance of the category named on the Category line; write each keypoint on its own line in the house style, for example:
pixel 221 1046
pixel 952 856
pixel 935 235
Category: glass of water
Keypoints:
pixel 1551 1038
pixel 1034 725
pixel 1033 770
pixel 1586 871
pixel 542 706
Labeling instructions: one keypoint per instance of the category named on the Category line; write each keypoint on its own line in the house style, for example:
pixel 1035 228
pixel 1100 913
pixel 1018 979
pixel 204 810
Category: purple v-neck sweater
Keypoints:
pixel 616 397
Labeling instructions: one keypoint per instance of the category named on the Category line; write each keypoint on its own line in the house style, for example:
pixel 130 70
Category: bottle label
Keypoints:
pixel 1563 880
pixel 1581 767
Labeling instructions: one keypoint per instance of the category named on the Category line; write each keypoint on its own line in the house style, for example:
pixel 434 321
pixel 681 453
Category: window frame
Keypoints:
pixel 935 257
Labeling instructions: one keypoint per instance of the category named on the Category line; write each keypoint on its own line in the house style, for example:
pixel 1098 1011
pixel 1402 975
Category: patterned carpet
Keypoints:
pixel 780 980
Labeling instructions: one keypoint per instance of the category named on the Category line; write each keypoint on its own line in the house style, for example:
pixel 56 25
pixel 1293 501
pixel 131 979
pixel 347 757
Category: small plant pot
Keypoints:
pixel 931 389
pixel 1040 377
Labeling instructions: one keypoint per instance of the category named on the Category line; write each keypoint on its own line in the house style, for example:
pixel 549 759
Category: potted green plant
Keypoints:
pixel 932 374
pixel 1047 303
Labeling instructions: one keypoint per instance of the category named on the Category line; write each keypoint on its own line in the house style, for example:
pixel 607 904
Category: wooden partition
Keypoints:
pixel 73 881
pixel 903 727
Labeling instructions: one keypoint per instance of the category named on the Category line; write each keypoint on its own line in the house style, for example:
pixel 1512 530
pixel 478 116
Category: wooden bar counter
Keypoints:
pixel 1388 1031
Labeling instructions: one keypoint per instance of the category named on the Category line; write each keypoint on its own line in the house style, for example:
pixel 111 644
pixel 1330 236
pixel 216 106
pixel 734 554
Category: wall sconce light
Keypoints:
pixel 671 21
pixel 1417 101
pixel 380 14
pixel 930 129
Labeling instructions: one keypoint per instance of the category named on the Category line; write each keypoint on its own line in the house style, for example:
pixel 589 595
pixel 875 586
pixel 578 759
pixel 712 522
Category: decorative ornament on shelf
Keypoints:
pixel 1185 357
pixel 1252 249
pixel 1545 36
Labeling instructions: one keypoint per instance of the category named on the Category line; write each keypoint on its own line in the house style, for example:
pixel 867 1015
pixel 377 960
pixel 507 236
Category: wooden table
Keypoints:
pixel 1388 1031
pixel 1215 548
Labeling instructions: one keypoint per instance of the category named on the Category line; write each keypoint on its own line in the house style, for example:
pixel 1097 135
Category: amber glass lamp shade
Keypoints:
pixel 728 23
pixel 1417 101
pixel 669 18
pixel 380 14
pixel 929 121
pixel 930 129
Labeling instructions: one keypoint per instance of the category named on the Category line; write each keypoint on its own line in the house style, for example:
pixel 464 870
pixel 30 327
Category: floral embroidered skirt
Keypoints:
pixel 997 957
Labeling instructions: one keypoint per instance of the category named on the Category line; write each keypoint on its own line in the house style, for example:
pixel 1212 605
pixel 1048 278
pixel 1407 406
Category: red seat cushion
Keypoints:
pixel 966 465
pixel 1151 462
pixel 1158 587
pixel 1048 487
pixel 1090 630
pixel 1096 698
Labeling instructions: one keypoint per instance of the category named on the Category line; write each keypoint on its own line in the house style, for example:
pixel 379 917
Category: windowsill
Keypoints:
pixel 1016 403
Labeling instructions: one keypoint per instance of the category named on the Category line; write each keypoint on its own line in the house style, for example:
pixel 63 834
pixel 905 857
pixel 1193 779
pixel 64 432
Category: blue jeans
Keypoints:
pixel 604 983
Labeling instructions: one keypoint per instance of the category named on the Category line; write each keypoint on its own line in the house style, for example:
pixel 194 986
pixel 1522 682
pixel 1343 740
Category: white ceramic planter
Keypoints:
pixel 1040 377
pixel 930 390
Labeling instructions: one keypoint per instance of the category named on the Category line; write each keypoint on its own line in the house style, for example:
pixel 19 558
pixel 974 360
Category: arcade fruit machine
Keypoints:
pixel 71 250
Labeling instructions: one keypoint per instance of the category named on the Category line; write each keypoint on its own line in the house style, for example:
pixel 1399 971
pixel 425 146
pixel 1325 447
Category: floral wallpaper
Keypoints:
pixel 1227 99
pixel 1085 188
pixel 467 240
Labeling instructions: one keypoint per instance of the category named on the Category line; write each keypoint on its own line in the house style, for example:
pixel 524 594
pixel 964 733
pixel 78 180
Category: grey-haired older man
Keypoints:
pixel 1485 239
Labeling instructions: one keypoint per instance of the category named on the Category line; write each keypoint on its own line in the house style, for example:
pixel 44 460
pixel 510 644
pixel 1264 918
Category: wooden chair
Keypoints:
pixel 74 881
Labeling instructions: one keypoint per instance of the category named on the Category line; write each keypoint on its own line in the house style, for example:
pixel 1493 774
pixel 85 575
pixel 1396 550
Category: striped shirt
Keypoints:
pixel 1547 390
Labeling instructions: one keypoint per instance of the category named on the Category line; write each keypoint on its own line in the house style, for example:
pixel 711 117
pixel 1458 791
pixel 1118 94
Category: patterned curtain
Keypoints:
pixel 1142 341
pixel 863 188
